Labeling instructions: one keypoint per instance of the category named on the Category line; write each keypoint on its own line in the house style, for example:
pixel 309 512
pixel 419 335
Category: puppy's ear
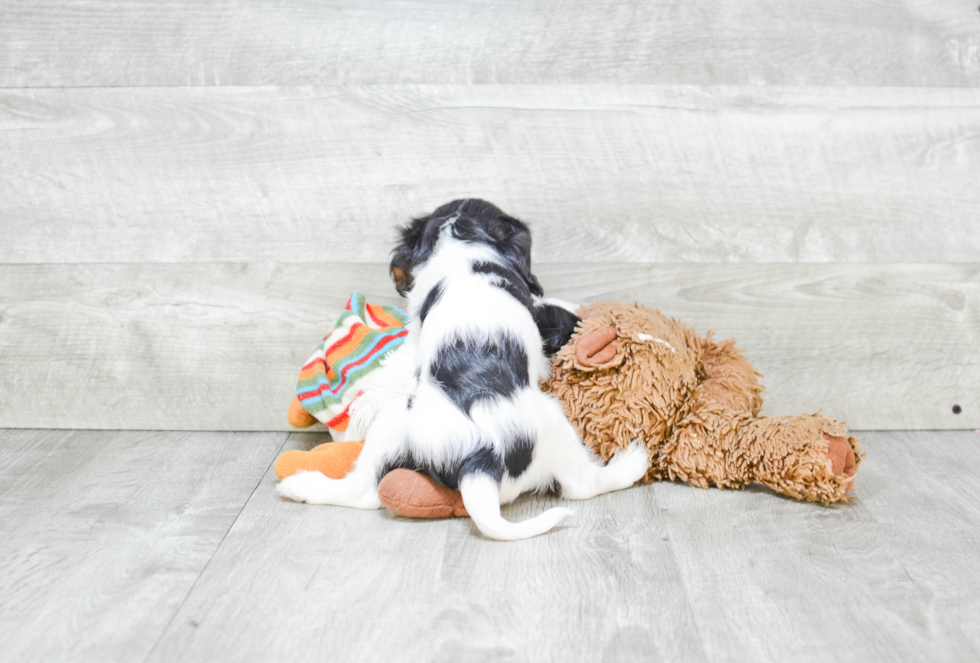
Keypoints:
pixel 556 325
pixel 533 284
pixel 402 279
pixel 514 243
pixel 413 248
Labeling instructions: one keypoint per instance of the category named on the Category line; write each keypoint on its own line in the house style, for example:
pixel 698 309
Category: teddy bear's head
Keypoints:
pixel 626 374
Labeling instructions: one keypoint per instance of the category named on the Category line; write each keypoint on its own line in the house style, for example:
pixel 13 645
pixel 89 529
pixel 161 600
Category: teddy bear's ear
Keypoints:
pixel 597 347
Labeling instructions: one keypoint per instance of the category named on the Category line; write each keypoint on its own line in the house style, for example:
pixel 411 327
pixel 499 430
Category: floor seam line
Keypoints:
pixel 204 568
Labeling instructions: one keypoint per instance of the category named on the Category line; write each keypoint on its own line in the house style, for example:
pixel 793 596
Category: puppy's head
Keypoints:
pixel 474 221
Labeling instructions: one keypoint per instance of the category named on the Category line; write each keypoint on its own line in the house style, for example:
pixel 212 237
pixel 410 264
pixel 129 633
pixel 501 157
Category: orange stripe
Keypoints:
pixel 357 333
pixel 383 318
pixel 306 375
pixel 341 420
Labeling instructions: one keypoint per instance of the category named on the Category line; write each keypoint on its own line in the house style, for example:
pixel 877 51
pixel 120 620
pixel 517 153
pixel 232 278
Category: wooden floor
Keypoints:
pixel 150 546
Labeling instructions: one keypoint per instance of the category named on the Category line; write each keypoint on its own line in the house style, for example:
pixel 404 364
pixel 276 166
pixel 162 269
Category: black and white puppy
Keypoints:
pixel 468 410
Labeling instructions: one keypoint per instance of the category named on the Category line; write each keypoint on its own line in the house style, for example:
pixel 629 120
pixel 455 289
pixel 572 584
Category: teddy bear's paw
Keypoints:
pixel 842 458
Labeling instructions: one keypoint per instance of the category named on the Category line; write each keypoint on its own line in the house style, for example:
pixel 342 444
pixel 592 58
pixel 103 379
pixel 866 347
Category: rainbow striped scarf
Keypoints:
pixel 364 334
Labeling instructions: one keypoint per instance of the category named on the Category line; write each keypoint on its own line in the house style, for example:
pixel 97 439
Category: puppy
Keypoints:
pixel 466 407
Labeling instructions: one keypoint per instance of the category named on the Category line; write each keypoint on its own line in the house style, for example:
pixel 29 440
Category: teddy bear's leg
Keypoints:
pixel 724 443
pixel 728 395
pixel 808 457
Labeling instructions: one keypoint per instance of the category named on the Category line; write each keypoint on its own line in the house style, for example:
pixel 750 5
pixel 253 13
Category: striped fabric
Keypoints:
pixel 364 334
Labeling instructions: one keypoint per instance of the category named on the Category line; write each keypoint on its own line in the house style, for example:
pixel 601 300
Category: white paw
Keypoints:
pixel 631 462
pixel 303 486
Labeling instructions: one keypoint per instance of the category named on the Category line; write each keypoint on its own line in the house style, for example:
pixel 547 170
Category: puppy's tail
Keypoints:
pixel 481 497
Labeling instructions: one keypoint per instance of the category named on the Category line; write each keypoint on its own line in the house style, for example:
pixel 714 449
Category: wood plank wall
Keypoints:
pixel 189 191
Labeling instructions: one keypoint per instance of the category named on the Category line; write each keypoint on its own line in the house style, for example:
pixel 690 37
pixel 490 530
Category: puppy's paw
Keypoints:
pixel 631 462
pixel 304 487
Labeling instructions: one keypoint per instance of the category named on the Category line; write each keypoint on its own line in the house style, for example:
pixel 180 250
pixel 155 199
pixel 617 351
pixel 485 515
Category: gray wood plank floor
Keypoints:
pixel 104 533
pixel 131 546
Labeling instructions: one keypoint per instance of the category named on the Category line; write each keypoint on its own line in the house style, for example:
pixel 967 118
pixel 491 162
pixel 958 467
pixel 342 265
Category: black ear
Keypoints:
pixel 513 241
pixel 416 243
pixel 403 257
pixel 533 285
pixel 402 278
pixel 556 326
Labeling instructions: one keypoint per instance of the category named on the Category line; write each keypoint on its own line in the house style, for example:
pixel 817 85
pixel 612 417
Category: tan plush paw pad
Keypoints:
pixel 841 455
pixel 415 495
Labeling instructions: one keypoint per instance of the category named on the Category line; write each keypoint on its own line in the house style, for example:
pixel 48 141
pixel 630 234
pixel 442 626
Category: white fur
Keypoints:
pixel 647 337
pixel 436 430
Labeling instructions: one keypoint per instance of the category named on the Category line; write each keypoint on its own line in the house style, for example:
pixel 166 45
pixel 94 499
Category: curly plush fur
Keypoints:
pixel 630 372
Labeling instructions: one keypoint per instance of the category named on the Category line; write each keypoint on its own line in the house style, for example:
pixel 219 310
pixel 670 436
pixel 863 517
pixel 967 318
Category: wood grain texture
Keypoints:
pixel 161 546
pixel 292 582
pixel 925 489
pixel 171 347
pixel 105 533
pixel 662 572
pixel 602 173
pixel 219 346
pixel 753 42
pixel 890 576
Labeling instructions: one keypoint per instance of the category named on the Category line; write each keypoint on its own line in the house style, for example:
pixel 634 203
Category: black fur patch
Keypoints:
pixel 469 370
pixel 556 326
pixel 408 461
pixel 518 456
pixel 510 238
pixel 431 300
pixel 483 460
pixel 509 280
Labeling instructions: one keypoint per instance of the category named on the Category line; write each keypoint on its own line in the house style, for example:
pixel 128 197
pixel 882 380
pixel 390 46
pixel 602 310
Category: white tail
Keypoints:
pixel 481 497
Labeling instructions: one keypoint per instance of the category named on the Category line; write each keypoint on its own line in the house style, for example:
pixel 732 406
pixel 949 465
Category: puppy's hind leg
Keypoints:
pixel 359 489
pixel 579 473
pixel 481 497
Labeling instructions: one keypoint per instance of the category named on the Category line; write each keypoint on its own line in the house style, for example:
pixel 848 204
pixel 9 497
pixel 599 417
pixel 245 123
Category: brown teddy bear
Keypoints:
pixel 630 372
